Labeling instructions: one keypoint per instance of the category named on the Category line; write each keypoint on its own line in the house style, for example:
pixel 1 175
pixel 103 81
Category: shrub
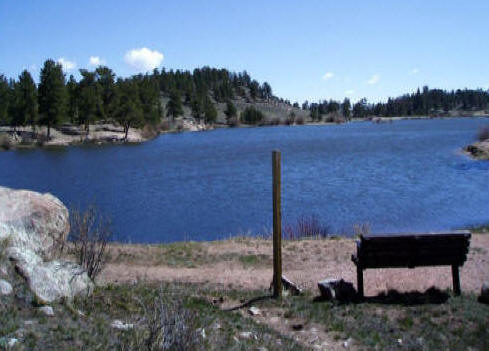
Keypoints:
pixel 361 229
pixel 164 126
pixel 233 121
pixel 252 115
pixel 299 120
pixel 5 142
pixel 483 133
pixel 89 233
pixel 306 227
pixel 149 131
pixel 275 121
pixel 166 325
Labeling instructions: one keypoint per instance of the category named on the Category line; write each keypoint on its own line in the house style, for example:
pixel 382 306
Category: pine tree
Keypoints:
pixel 105 78
pixel 230 111
pixel 73 99
pixel 89 99
pixel 174 105
pixel 210 112
pixel 129 112
pixel 25 101
pixel 52 94
pixel 346 108
pixel 5 95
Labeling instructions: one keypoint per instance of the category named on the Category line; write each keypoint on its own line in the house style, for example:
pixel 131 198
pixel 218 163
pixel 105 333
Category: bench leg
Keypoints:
pixel 456 280
pixel 360 282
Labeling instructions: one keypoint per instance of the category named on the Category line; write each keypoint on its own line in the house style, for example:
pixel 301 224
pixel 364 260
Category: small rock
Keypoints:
pixel 6 343
pixel 3 270
pixel 120 325
pixel 246 335
pixel 254 311
pixel 484 297
pixel 261 348
pixel 274 320
pixel 5 287
pixel 348 343
pixel 28 322
pixel 298 326
pixel 12 341
pixel 47 310
pixel 202 333
pixel 216 326
pixel 399 341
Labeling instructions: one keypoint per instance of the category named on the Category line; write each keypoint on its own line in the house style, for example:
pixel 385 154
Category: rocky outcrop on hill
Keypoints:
pixel 32 226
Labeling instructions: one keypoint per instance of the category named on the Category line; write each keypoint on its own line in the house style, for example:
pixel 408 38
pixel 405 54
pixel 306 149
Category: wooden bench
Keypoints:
pixel 412 250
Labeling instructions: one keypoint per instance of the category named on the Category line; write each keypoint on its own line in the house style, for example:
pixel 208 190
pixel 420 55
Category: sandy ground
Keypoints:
pixel 304 262
pixel 99 132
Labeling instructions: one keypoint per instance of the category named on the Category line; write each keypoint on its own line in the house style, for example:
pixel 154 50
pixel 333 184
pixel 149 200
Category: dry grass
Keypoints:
pixel 245 263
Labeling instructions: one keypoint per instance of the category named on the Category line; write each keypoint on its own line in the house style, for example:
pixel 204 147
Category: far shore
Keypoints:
pixel 109 133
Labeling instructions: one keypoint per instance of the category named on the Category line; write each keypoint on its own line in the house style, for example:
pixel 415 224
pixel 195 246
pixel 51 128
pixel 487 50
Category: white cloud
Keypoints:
pixel 67 65
pixel 95 61
pixel 414 71
pixel 143 59
pixel 328 75
pixel 374 80
pixel 349 92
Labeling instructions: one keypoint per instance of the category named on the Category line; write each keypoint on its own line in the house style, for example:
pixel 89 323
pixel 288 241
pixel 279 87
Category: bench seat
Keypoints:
pixel 410 251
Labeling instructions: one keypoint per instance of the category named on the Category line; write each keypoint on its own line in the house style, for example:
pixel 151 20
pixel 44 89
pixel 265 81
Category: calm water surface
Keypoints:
pixel 403 176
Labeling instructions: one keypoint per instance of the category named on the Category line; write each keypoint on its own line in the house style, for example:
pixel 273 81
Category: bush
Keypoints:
pixel 252 115
pixel 233 121
pixel 166 325
pixel 149 131
pixel 483 133
pixel 90 233
pixel 5 142
pixel 299 120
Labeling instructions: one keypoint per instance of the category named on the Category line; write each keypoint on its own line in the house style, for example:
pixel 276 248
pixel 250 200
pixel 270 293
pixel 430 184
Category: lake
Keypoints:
pixel 397 177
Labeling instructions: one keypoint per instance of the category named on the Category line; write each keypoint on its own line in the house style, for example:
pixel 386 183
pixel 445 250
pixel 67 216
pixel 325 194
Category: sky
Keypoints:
pixel 310 50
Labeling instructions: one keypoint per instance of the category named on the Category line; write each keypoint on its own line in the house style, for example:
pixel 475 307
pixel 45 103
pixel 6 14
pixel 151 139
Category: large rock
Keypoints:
pixel 337 289
pixel 53 280
pixel 31 225
pixel 32 220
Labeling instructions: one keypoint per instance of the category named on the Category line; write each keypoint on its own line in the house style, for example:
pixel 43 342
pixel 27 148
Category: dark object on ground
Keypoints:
pixel 289 286
pixel 336 289
pixel 394 297
pixel 484 296
pixel 412 250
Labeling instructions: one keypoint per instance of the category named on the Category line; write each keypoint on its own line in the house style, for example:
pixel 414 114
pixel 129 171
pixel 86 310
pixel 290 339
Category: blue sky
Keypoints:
pixel 304 49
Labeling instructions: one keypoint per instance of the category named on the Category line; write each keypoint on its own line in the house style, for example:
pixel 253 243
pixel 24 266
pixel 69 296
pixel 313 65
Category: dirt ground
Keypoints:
pixel 247 264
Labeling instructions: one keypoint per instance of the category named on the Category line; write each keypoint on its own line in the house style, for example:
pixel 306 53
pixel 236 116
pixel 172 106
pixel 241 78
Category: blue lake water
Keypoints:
pixel 401 176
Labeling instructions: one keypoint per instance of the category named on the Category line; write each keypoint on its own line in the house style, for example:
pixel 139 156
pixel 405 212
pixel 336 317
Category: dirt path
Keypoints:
pixel 246 264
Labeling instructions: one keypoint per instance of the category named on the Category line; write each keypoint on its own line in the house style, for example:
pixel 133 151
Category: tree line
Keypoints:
pixel 421 103
pixel 100 95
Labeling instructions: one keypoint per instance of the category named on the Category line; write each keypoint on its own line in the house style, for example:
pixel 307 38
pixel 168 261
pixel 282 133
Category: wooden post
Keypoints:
pixel 456 280
pixel 277 226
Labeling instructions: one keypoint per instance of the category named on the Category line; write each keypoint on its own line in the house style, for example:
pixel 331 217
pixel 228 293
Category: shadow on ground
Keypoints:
pixel 394 297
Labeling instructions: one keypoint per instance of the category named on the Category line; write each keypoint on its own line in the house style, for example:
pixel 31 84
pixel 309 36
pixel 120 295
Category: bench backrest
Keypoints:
pixel 412 250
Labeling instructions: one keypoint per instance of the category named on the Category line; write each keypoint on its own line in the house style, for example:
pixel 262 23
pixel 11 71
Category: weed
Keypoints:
pixel 90 232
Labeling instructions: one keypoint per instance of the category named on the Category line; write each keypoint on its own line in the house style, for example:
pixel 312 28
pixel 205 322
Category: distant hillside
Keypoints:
pixel 205 96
